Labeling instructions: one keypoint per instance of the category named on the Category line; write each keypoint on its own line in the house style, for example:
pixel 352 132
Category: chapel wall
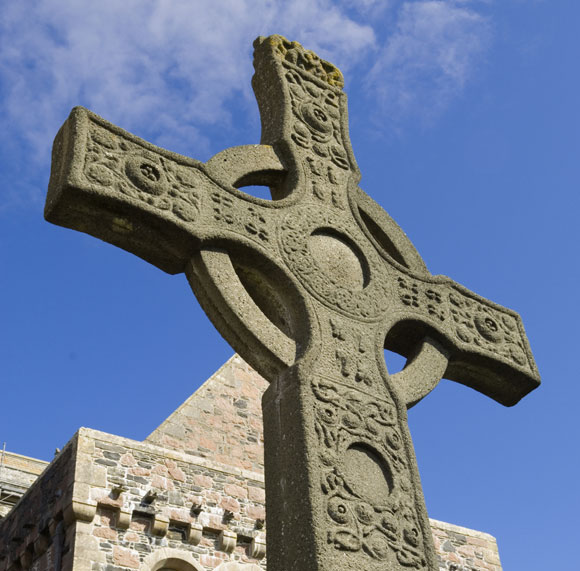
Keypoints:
pixel 148 499
pixel 32 534
pixel 462 549
pixel 222 420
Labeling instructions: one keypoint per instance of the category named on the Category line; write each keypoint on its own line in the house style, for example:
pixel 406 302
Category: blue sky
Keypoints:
pixel 464 120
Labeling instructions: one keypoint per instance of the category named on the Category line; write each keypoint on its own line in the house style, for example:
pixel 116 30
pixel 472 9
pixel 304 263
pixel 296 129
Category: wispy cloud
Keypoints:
pixel 172 71
pixel 170 66
pixel 433 51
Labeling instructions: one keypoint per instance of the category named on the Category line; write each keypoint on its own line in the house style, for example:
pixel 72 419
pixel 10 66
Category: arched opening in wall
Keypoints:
pixel 174 564
pixel 168 559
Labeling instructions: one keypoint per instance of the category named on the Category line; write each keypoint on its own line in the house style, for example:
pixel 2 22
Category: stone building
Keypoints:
pixel 188 498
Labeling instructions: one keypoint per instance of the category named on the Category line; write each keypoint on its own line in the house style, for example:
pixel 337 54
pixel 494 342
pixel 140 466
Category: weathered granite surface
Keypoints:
pixel 309 288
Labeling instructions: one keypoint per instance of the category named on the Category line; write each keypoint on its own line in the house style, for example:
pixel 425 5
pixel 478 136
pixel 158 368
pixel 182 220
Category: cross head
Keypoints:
pixel 309 288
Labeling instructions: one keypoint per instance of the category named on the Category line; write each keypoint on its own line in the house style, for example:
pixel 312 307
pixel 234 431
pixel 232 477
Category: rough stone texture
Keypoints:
pixel 108 503
pixel 462 549
pixel 112 503
pixel 222 421
pixel 33 531
pixel 309 288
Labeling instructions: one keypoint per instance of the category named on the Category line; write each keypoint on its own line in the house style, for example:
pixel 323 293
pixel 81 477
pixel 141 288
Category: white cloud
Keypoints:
pixel 368 7
pixel 171 70
pixel 434 50
pixel 161 66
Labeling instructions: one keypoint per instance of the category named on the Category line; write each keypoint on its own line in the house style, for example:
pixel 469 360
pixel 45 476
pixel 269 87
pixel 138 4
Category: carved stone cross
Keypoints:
pixel 308 287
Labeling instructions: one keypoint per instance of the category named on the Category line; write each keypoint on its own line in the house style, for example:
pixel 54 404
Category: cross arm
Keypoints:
pixel 157 204
pixel 485 343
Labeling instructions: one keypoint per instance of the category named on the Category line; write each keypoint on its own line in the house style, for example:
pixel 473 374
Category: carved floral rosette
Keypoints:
pixel 480 324
pixel 379 521
pixel 125 167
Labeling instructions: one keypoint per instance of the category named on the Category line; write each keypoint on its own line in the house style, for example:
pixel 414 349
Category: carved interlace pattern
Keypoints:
pixel 294 53
pixel 240 217
pixel 483 326
pixel 121 165
pixel 472 322
pixel 425 297
pixel 377 527
pixel 317 119
pixel 352 351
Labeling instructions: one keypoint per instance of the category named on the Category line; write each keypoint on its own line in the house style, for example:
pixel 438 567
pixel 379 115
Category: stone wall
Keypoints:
pixel 33 534
pixel 115 503
pixel 148 498
pixel 107 503
pixel 462 549
pixel 222 420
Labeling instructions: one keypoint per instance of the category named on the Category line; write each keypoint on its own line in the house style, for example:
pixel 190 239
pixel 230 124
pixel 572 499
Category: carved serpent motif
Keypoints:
pixel 317 133
pixel 119 164
pixel 317 119
pixel 307 60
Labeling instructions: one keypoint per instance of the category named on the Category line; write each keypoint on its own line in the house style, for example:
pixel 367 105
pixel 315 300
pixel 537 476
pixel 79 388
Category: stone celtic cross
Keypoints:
pixel 309 288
